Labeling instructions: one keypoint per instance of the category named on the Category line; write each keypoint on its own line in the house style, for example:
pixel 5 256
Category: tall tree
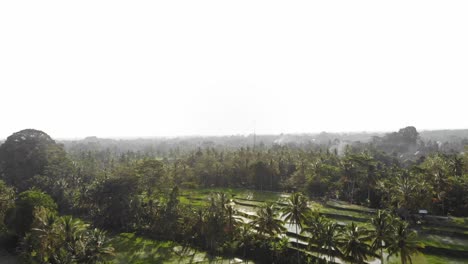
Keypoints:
pixel 295 212
pixel 63 239
pixel 24 155
pixel 21 217
pixel 114 202
pixel 403 242
pixel 151 171
pixel 354 243
pixel 381 235
pixel 437 170
pixel 267 221
pixel 315 225
pixel 7 199
pixel 330 238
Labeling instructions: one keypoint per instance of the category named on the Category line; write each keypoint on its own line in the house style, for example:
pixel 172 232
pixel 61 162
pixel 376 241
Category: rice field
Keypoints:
pixel 248 201
pixel 138 250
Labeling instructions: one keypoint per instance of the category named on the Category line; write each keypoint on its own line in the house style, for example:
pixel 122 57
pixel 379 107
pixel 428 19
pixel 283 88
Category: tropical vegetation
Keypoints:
pixel 68 203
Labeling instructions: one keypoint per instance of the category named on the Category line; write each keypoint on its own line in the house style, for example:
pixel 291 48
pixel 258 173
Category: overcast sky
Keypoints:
pixel 167 68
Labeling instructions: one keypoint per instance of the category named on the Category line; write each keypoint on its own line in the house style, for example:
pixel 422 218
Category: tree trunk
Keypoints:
pixel 244 252
pixel 297 245
pixel 381 255
pixel 368 195
pixel 352 192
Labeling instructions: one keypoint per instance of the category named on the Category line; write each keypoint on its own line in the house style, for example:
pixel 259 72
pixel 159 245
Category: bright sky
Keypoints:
pixel 167 68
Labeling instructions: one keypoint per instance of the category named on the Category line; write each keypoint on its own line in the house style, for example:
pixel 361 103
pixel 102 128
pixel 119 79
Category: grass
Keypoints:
pixel 133 249
pixel 253 195
pixel 138 250
pixel 447 229
pixel 444 242
pixel 462 221
pixel 253 199
pixel 346 213
pixel 187 200
pixel 346 205
pixel 432 259
pixel 429 259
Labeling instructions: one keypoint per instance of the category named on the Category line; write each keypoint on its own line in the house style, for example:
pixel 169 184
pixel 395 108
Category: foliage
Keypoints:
pixel 119 187
pixel 7 196
pixel 113 202
pixel 20 218
pixel 63 239
pixel 24 155
pixel 266 222
pixel 296 211
pixel 403 242
pixel 382 234
pixel 354 245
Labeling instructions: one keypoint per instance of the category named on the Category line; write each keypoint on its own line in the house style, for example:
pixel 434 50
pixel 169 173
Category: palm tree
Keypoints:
pixel 222 199
pixel 353 243
pixel 71 228
pixel 313 228
pixel 96 247
pixel 64 240
pixel 295 212
pixel 43 234
pixel 231 219
pixel 381 235
pixel 403 242
pixel 199 226
pixel 244 236
pixel 72 234
pixel 214 224
pixel 266 221
pixel 330 239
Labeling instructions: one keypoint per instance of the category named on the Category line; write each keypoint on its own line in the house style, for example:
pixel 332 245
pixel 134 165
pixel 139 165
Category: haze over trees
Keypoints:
pixel 82 193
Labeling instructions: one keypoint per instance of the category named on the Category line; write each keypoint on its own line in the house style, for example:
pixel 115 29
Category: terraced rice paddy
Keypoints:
pixel 137 250
pixel 450 236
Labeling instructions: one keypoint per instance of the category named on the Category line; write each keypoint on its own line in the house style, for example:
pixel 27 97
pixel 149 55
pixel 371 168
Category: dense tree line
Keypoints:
pixel 377 174
pixel 446 141
pixel 138 191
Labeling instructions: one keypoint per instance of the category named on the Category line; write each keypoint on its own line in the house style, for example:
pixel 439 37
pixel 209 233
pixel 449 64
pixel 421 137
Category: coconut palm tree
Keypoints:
pixel 43 234
pixel 199 226
pixel 382 224
pixel 64 239
pixel 353 243
pixel 214 224
pixel 403 242
pixel 330 239
pixel 295 212
pixel 222 199
pixel 267 222
pixel 314 226
pixel 71 229
pixel 231 219
pixel 72 236
pixel 244 236
pixel 95 247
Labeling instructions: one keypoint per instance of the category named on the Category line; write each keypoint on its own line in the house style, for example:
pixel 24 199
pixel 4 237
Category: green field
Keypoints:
pixel 138 250
pixel 247 202
pixel 431 259
pixel 252 195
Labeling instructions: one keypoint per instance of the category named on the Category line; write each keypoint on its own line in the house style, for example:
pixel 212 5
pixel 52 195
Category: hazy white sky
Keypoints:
pixel 165 68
